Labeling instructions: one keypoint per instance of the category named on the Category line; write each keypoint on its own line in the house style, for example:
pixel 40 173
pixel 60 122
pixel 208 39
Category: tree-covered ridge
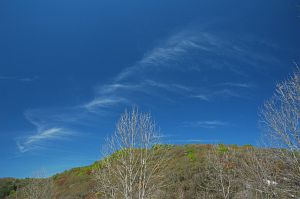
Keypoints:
pixel 191 172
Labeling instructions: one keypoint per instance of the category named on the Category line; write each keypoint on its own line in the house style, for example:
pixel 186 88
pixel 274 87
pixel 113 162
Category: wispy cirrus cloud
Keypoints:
pixel 209 124
pixel 196 49
pixel 43 135
pixel 237 84
pixel 189 52
pixel 187 64
pixel 224 92
pixel 114 87
pixel 18 78
pixel 172 87
pixel 37 140
pixel 115 94
pixel 202 97
pixel 192 50
pixel 228 93
pixel 103 102
pixel 172 50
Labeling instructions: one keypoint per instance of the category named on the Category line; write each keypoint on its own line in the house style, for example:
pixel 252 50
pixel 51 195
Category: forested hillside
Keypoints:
pixel 193 171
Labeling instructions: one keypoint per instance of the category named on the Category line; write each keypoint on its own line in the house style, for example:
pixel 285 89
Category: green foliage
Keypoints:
pixel 13 193
pixel 7 186
pixel 162 146
pixel 118 154
pixel 222 149
pixel 96 165
pixel 157 146
pixel 191 154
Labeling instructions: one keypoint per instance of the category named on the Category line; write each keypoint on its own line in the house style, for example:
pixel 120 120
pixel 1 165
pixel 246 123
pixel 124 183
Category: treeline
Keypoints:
pixel 192 171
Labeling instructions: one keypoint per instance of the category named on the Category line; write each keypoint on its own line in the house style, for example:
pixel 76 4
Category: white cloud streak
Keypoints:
pixel 20 79
pixel 41 138
pixel 44 135
pixel 194 49
pixel 114 87
pixel 238 85
pixel 209 124
pixel 103 102
pixel 202 97
pixel 180 52
pixel 176 47
pixel 176 53
pixel 191 50
pixel 167 86
pixel 212 94
pixel 214 52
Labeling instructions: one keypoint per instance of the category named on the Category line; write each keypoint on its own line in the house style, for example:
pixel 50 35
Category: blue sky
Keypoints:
pixel 68 69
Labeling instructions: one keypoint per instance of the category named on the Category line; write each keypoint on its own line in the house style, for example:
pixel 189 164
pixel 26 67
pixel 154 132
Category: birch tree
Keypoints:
pixel 280 117
pixel 221 172
pixel 36 187
pixel 260 173
pixel 134 160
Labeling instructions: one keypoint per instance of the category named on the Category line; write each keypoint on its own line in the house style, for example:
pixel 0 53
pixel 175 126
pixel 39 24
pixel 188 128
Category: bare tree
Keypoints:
pixel 36 187
pixel 221 173
pixel 134 160
pixel 280 117
pixel 259 172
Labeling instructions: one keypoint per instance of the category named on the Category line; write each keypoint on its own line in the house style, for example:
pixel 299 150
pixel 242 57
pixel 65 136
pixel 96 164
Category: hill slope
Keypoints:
pixel 185 172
